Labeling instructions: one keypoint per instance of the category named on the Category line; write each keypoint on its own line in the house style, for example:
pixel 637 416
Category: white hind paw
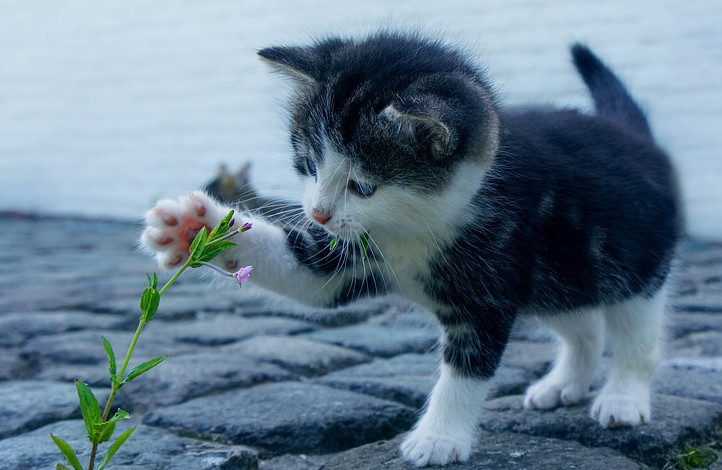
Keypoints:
pixel 622 409
pixel 172 225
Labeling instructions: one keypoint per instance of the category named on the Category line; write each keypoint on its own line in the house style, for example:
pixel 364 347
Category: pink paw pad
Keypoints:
pixel 188 231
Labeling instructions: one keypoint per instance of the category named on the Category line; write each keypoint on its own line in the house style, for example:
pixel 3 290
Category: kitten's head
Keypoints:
pixel 393 133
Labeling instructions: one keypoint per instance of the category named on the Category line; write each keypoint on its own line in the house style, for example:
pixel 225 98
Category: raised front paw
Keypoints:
pixel 423 448
pixel 172 225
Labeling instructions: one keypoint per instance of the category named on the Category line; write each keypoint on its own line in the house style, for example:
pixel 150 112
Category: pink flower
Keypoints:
pixel 243 275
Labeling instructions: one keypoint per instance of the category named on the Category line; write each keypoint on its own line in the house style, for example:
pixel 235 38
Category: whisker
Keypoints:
pixel 377 248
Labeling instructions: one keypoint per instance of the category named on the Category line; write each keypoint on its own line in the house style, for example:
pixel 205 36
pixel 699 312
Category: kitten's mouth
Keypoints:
pixel 362 241
pixel 346 231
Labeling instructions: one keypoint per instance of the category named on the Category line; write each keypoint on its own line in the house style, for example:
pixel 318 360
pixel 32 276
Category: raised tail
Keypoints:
pixel 610 96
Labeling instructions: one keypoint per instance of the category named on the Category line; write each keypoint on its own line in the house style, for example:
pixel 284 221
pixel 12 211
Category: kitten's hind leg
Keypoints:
pixel 635 330
pixel 581 341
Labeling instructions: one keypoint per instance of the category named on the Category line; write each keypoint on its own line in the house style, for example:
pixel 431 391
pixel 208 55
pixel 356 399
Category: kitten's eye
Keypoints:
pixel 361 189
pixel 311 167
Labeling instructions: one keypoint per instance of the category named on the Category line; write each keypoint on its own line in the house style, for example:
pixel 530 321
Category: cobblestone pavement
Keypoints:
pixel 255 381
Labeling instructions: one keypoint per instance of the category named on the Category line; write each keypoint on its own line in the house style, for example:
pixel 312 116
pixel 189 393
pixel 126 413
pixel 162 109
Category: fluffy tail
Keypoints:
pixel 611 98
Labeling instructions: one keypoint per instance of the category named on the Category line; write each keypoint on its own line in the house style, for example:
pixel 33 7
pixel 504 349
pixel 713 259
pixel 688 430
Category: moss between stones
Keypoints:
pixel 696 457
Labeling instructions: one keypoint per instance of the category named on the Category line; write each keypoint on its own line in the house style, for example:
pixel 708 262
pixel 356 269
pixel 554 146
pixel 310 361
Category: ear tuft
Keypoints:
pixel 428 129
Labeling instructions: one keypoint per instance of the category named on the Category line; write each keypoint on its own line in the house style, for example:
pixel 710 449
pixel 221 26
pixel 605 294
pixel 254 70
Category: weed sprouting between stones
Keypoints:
pixel 101 426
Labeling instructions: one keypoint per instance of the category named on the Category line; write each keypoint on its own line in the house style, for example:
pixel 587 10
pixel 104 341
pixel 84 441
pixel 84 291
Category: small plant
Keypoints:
pixel 363 243
pixel 696 457
pixel 100 426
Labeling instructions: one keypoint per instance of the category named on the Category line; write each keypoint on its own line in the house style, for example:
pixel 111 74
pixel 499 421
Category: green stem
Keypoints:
pixel 119 377
pixel 136 336
pixel 116 386
pixel 173 279
pixel 138 330
pixel 91 462
pixel 227 236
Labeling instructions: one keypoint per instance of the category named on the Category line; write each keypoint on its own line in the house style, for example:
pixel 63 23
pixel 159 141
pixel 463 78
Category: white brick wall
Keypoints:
pixel 105 106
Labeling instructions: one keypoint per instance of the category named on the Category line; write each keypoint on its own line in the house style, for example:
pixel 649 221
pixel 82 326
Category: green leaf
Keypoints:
pixel 61 467
pixel 222 227
pixel 67 452
pixel 111 359
pixel 88 407
pixel 119 414
pixel 114 447
pixel 216 249
pixel 199 243
pixel 102 432
pixel 152 281
pixel 364 239
pixel 143 368
pixel 333 244
pixel 149 301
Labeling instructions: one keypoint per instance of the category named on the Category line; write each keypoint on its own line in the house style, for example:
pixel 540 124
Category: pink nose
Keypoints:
pixel 320 217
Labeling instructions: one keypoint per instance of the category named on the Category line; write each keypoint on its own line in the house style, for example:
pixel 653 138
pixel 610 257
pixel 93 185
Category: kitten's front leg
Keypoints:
pixel 447 430
pixel 172 225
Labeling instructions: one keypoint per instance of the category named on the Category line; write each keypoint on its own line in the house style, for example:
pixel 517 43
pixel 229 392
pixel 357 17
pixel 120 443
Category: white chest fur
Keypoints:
pixel 407 263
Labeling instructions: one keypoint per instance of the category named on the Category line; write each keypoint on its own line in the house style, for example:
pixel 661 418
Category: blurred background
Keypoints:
pixel 107 106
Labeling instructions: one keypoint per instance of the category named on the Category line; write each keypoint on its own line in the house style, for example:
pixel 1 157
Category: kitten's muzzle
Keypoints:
pixel 321 217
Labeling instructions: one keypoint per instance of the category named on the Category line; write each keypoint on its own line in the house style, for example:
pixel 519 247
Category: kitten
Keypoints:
pixel 475 212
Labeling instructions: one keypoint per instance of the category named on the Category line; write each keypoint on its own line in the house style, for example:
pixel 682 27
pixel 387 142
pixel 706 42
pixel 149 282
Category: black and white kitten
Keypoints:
pixel 475 212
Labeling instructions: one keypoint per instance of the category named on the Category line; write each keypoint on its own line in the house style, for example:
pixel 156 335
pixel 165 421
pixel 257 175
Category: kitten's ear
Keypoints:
pixel 300 63
pixel 425 126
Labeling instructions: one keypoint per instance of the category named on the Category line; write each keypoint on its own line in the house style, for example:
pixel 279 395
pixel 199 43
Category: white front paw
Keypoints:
pixel 172 225
pixel 423 448
pixel 620 409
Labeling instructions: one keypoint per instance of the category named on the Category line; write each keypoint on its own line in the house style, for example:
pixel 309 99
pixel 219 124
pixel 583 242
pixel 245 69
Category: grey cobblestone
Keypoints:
pixel 11 366
pixel 148 448
pixel 676 421
pixel 296 354
pixel 305 388
pixel 406 378
pixel 30 404
pixel 346 315
pixel 287 417
pixel 692 382
pixel 16 328
pixel 494 450
pixel 379 340
pixel 198 374
pixel 225 329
